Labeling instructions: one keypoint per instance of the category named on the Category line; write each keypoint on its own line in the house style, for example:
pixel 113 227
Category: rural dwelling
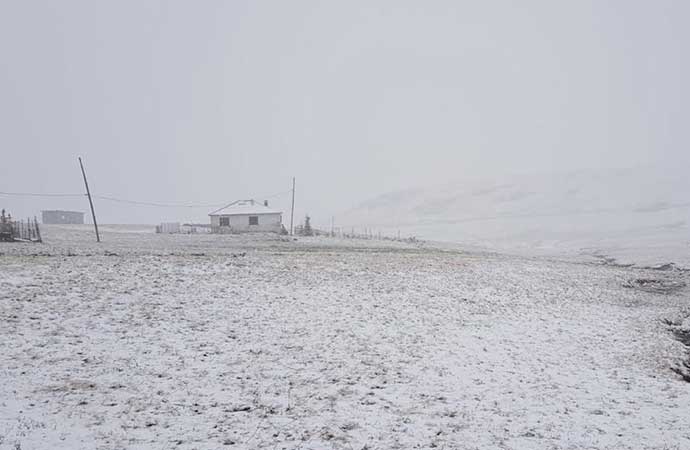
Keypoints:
pixel 246 216
pixel 62 217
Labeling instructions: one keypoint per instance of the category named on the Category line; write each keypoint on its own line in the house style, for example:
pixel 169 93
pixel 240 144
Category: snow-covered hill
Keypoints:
pixel 638 215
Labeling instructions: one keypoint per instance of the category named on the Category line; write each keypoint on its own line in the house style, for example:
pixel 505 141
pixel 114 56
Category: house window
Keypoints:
pixel 224 221
pixel 253 220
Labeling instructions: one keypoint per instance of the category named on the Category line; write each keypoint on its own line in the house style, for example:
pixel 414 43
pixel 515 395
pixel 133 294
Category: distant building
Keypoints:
pixel 168 228
pixel 246 216
pixel 63 217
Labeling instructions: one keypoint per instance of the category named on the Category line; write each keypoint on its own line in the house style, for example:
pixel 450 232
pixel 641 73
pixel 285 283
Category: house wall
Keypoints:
pixel 240 223
pixel 62 217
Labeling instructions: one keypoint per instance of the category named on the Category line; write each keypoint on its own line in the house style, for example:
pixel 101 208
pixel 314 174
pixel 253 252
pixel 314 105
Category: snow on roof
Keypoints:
pixel 244 207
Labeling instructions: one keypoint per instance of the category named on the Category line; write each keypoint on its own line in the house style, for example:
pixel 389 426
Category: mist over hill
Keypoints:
pixel 639 215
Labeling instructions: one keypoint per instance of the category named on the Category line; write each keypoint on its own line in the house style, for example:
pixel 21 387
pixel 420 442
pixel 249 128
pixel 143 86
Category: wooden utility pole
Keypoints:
pixel 292 211
pixel 88 194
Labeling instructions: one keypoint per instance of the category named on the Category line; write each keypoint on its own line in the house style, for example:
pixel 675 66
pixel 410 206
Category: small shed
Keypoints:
pixel 168 228
pixel 246 216
pixel 62 217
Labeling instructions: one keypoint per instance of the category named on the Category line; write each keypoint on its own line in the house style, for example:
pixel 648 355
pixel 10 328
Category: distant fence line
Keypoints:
pixel 20 230
pixel 363 233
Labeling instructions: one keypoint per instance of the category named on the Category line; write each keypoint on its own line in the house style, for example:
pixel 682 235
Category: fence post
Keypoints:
pixel 38 230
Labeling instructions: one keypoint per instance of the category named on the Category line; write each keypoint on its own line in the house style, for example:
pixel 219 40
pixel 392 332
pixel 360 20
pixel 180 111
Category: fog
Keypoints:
pixel 204 103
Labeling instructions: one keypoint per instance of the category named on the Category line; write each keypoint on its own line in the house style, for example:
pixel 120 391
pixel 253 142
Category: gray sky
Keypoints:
pixel 206 102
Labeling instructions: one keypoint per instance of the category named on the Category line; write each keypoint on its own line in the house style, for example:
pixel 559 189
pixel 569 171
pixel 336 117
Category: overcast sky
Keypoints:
pixel 212 101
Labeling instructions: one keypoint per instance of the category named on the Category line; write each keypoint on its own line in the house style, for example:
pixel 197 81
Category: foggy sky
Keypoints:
pixel 213 101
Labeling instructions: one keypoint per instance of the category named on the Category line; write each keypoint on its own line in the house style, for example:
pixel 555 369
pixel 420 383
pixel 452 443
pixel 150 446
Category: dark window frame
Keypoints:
pixel 224 222
pixel 253 220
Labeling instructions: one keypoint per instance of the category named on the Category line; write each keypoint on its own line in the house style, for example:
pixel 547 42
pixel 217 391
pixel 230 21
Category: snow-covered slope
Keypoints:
pixel 639 215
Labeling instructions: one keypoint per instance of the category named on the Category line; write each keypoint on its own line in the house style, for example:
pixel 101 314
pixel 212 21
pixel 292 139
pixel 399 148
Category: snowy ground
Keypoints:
pixel 210 342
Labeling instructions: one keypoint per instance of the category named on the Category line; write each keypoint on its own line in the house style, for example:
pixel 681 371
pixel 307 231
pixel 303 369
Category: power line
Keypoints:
pixel 31 194
pixel 155 204
pixel 180 205
pixel 264 197
pixel 274 195
pixel 139 202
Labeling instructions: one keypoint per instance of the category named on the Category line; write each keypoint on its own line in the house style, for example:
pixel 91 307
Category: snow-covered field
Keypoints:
pixel 207 342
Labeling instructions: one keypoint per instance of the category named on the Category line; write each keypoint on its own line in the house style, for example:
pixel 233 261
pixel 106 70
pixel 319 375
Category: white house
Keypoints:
pixel 245 216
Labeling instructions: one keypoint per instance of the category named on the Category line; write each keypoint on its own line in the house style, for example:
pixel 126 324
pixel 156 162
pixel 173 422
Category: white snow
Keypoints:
pixel 216 341
pixel 244 207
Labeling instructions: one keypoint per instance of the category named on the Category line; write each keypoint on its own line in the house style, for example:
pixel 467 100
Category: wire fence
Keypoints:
pixel 20 230
pixel 368 234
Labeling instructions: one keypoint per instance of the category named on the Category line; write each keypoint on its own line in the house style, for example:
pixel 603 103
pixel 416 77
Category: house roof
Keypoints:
pixel 244 207
pixel 61 211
